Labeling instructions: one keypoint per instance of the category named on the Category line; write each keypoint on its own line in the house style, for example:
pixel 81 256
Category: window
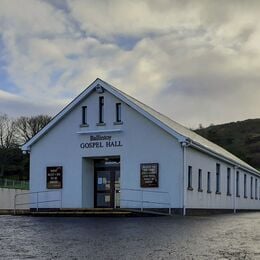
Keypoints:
pixel 251 188
pixel 208 183
pixel 217 178
pixel 190 178
pixel 118 113
pixel 237 184
pixel 228 181
pixel 200 181
pixel 256 189
pixel 245 186
pixel 101 110
pixel 84 115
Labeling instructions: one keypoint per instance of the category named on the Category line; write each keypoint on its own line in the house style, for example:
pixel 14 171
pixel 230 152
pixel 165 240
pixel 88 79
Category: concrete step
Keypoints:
pixel 95 212
pixel 82 213
pixel 11 211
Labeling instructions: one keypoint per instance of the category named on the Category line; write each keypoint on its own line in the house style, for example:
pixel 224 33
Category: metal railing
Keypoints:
pixel 38 201
pixel 141 201
pixel 14 184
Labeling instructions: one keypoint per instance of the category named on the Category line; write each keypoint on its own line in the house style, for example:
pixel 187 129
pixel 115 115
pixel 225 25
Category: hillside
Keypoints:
pixel 241 138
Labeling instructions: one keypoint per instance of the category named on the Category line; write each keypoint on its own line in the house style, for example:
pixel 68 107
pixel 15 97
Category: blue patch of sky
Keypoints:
pixel 55 76
pixel 72 56
pixel 6 83
pixel 126 42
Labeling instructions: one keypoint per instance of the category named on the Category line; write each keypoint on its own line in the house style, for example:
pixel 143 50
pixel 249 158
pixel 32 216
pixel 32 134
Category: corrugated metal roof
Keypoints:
pixel 187 133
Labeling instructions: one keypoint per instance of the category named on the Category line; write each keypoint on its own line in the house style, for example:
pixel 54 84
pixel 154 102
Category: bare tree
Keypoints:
pixel 7 132
pixel 7 140
pixel 27 127
pixel 12 134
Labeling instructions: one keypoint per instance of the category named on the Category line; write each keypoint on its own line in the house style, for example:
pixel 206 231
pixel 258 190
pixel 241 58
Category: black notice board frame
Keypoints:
pixel 149 175
pixel 54 177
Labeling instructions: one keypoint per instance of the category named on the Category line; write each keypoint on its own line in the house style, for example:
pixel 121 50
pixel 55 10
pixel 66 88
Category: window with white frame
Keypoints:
pixel 245 186
pixel 118 113
pixel 200 180
pixel 218 178
pixel 101 110
pixel 251 187
pixel 84 115
pixel 237 184
pixel 256 197
pixel 209 182
pixel 228 181
pixel 190 178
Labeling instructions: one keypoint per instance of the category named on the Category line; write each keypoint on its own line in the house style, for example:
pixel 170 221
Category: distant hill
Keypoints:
pixel 241 138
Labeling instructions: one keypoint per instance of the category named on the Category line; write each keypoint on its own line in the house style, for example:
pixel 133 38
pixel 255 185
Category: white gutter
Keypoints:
pixel 235 190
pixel 184 145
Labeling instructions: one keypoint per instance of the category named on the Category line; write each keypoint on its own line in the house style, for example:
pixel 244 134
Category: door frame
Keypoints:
pixel 112 170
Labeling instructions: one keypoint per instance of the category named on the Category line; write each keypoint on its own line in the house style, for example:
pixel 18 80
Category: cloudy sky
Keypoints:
pixel 195 61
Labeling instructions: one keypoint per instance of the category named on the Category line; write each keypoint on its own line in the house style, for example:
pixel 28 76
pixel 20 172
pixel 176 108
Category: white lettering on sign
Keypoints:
pixel 100 141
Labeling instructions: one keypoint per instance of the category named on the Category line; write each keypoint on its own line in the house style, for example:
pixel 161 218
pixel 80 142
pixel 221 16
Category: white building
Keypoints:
pixel 105 141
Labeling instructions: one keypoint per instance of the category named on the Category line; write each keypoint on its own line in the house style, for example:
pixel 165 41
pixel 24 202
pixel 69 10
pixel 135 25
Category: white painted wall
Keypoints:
pixel 142 140
pixel 196 199
pixel 7 199
pixel 87 183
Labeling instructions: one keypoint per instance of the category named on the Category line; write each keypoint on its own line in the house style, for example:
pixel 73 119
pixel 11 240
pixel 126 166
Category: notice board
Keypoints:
pixel 149 175
pixel 54 177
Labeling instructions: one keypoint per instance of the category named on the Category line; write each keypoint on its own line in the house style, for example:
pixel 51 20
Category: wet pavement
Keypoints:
pixel 212 237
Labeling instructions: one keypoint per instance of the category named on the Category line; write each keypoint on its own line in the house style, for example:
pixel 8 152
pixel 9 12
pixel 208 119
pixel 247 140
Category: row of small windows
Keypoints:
pixel 118 113
pixel 218 183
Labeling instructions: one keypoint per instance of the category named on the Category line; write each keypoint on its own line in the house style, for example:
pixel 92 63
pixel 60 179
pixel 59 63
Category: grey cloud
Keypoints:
pixel 15 105
pixel 180 56
pixel 210 86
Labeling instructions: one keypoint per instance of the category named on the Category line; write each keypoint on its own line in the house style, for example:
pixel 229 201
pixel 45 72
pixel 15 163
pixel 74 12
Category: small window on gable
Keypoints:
pixel 101 110
pixel 84 115
pixel 118 113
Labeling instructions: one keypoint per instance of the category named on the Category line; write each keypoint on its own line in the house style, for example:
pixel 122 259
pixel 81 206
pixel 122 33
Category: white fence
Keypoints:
pixel 38 199
pixel 7 199
pixel 143 199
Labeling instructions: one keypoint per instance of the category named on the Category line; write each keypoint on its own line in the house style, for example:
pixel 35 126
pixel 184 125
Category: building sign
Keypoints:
pixel 100 141
pixel 54 177
pixel 149 175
